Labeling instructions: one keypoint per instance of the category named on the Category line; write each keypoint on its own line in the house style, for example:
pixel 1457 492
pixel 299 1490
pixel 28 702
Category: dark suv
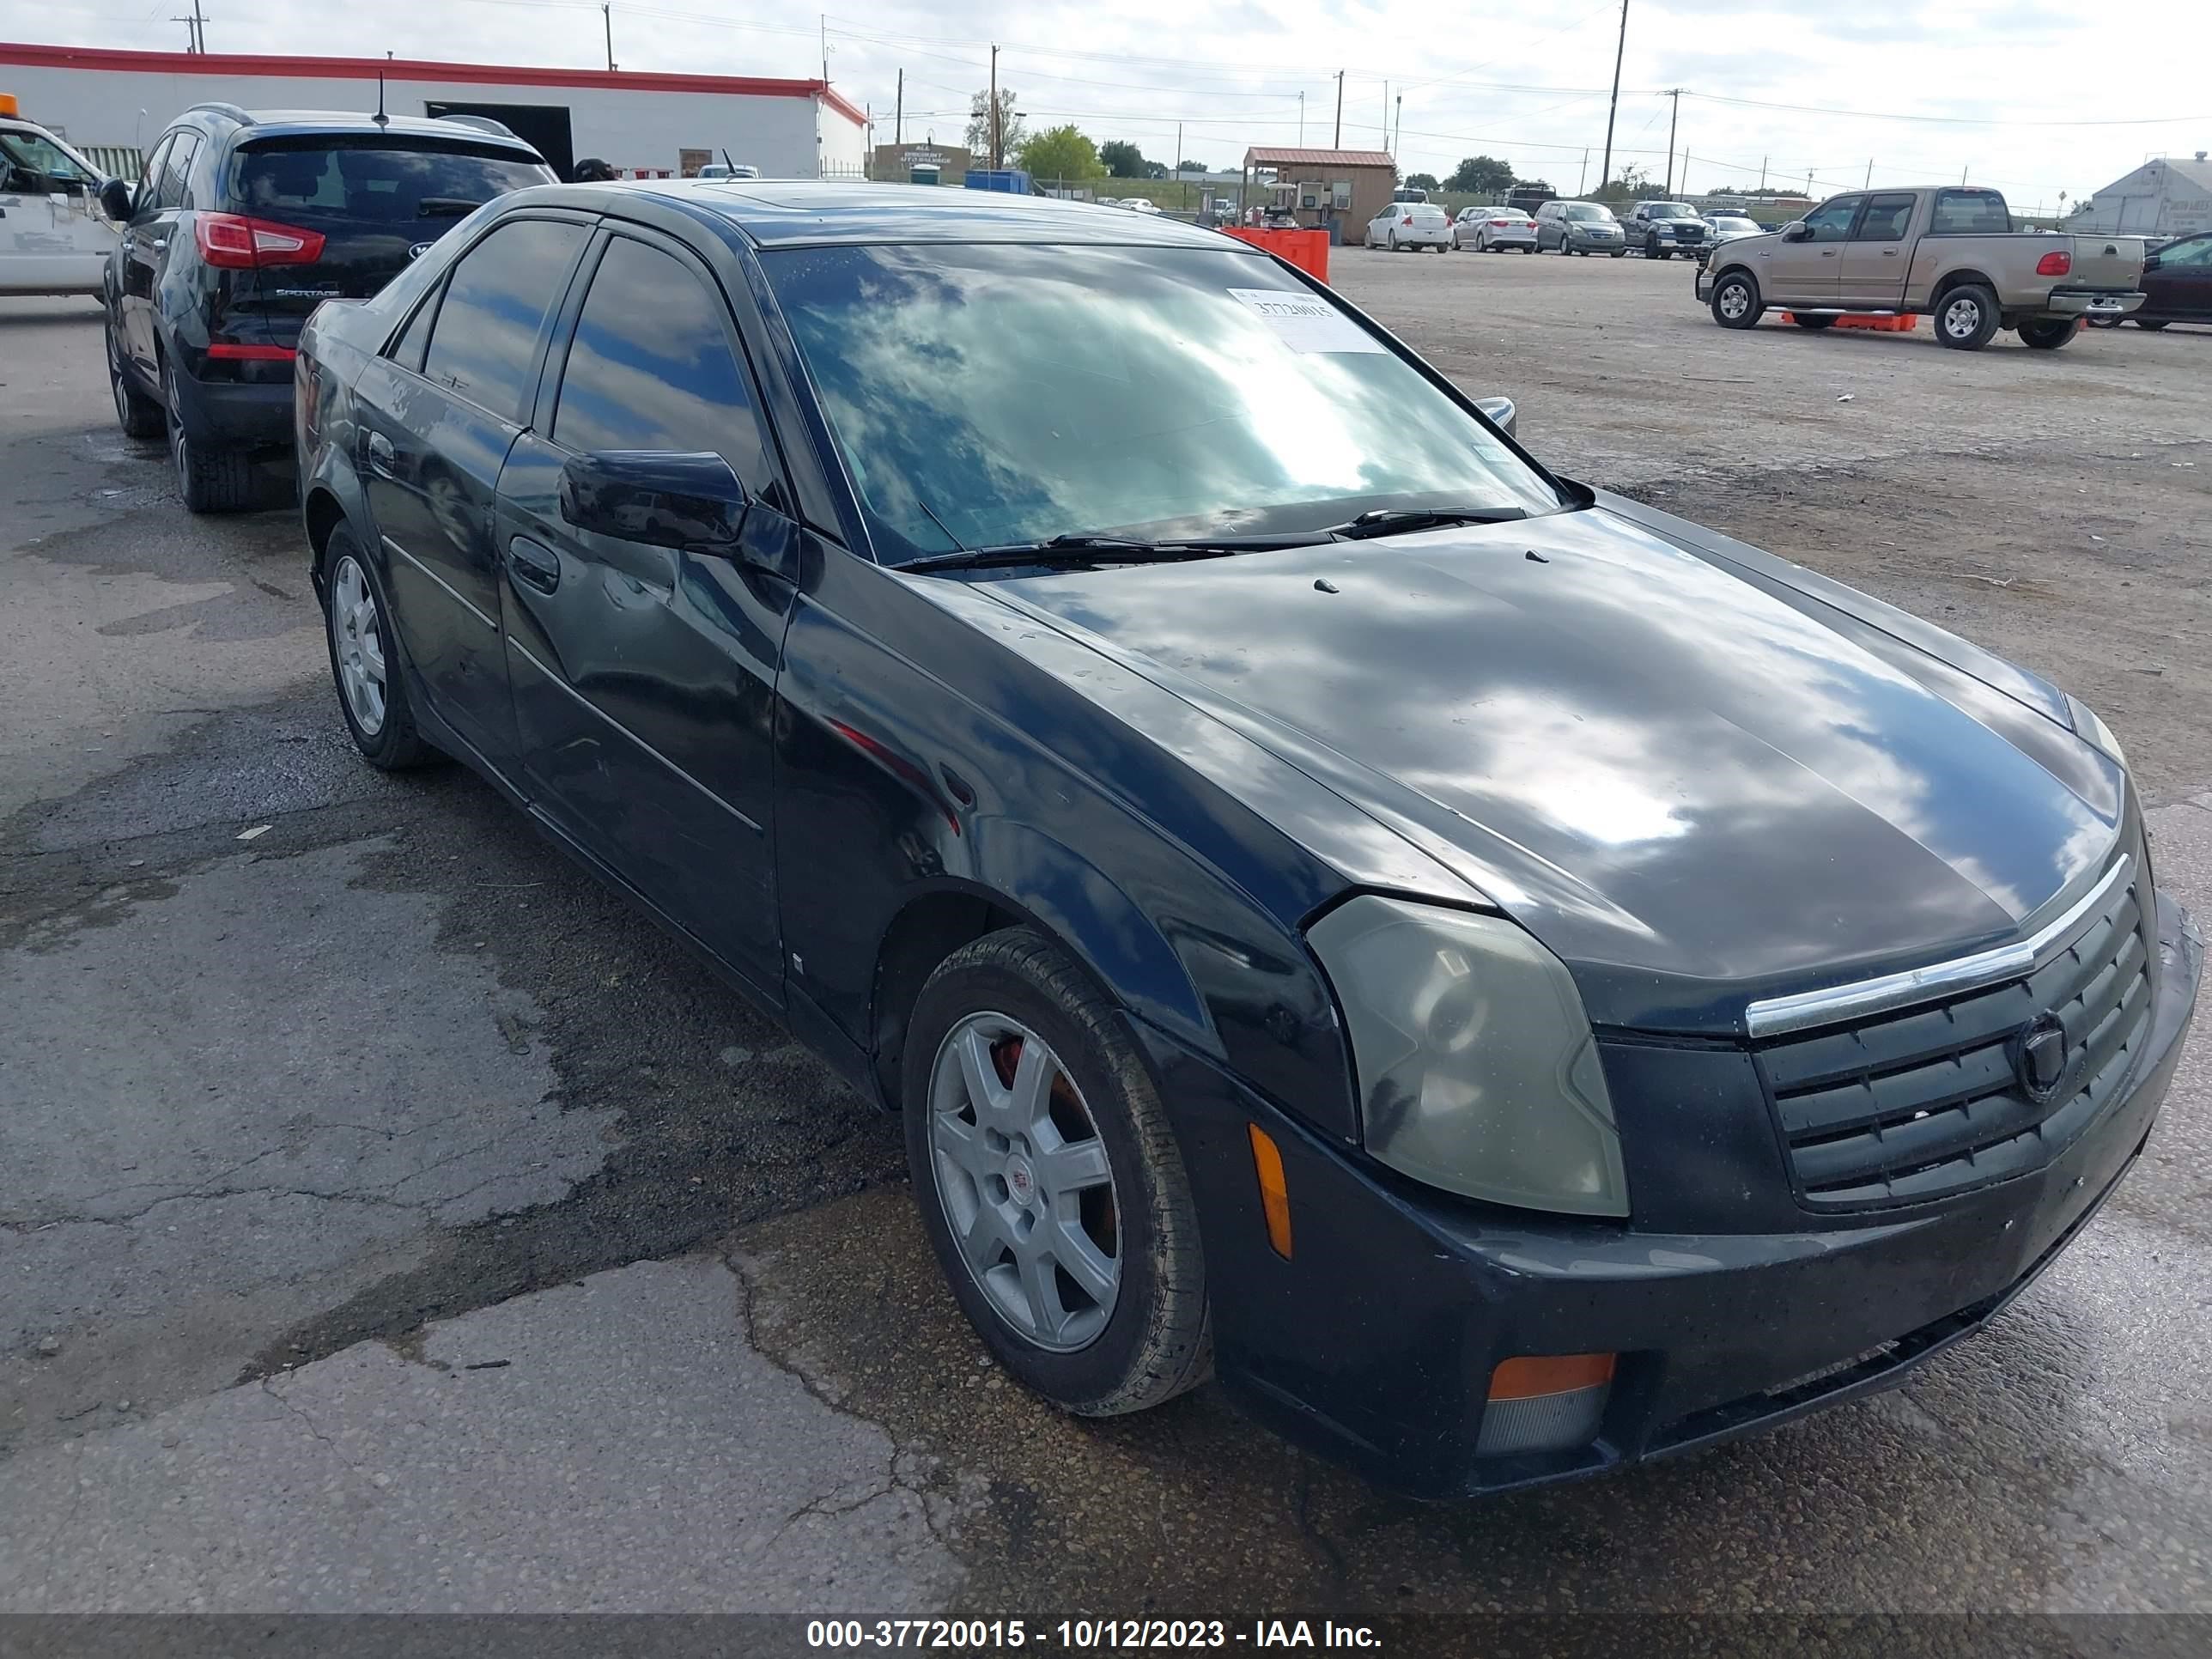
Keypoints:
pixel 240 228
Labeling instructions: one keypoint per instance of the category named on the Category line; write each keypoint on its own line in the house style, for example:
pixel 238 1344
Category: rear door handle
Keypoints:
pixel 537 565
pixel 380 454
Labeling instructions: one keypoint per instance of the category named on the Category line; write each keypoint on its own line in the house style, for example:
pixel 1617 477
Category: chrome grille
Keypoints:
pixel 1925 1102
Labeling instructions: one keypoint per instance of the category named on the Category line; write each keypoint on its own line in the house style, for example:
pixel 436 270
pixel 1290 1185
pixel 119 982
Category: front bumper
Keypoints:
pixel 2095 304
pixel 1375 1342
pixel 1597 244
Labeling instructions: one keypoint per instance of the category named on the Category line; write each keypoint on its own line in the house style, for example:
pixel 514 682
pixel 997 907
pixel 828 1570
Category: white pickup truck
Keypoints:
pixel 1950 253
pixel 53 237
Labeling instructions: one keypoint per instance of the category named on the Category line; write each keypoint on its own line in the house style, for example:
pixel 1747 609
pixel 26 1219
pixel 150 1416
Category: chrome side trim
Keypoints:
pixel 524 651
pixel 1773 1016
pixel 451 592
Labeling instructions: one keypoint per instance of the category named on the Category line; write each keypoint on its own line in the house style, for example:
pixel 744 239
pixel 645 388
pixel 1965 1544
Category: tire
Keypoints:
pixel 2150 328
pixel 1617 253
pixel 1967 317
pixel 362 648
pixel 1394 242
pixel 1814 324
pixel 209 479
pixel 2049 335
pixel 1143 1332
pixel 138 415
pixel 1735 300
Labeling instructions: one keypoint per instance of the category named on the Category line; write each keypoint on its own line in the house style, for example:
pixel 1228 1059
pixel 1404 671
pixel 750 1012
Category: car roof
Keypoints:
pixel 798 212
pixel 315 123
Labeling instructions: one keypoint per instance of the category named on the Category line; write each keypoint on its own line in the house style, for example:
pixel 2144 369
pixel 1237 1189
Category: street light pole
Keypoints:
pixel 1336 142
pixel 1614 108
pixel 607 15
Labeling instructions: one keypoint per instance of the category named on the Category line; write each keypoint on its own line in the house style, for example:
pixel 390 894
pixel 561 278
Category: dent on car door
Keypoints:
pixel 644 676
pixel 434 418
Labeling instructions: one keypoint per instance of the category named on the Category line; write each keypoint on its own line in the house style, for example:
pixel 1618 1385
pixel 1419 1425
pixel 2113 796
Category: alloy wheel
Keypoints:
pixel 1735 300
pixel 359 647
pixel 1023 1176
pixel 1961 319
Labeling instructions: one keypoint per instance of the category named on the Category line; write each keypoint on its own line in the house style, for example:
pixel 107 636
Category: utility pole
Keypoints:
pixel 1869 183
pixel 1398 144
pixel 607 13
pixel 1337 141
pixel 1762 174
pixel 195 28
pixel 1583 178
pixel 994 108
pixel 1302 118
pixel 898 113
pixel 824 18
pixel 1614 108
pixel 1673 121
pixel 1183 190
pixel 1386 115
pixel 1962 178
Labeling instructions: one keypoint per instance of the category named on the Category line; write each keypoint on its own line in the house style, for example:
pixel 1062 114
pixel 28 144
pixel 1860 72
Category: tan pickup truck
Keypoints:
pixel 1951 253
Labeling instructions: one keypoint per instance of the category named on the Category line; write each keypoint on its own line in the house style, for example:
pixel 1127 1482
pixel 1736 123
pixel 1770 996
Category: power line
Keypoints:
pixel 1947 120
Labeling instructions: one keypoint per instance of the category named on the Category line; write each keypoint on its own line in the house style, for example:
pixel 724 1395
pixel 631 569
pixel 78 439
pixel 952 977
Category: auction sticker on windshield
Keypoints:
pixel 1306 322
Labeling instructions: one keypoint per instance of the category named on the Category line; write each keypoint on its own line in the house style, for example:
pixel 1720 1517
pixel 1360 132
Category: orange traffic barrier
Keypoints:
pixel 1306 249
pixel 1904 324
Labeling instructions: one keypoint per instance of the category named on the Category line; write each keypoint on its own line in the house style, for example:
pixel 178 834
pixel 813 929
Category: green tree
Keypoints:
pixel 1195 167
pixel 1423 181
pixel 1121 159
pixel 1482 175
pixel 1062 153
pixel 1010 130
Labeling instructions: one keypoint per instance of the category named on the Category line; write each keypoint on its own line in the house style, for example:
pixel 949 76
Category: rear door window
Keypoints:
pixel 654 365
pixel 1885 219
pixel 484 345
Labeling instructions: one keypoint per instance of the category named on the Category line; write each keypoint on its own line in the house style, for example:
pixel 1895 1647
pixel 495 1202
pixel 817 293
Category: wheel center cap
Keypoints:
pixel 1021 1180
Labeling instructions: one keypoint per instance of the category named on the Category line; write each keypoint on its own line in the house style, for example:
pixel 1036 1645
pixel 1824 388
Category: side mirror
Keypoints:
pixel 691 502
pixel 1796 231
pixel 2150 262
pixel 1502 414
pixel 115 200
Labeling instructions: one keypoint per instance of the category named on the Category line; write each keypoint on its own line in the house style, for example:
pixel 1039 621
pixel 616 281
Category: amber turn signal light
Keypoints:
pixel 1275 1192
pixel 1534 1376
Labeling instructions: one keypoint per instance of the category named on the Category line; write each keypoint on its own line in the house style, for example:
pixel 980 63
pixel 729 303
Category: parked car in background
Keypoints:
pixel 1529 197
pixel 729 170
pixel 55 237
pixel 240 228
pixel 2176 283
pixel 1132 203
pixel 1484 228
pixel 1410 226
pixel 1511 982
pixel 1662 230
pixel 1950 253
pixel 1579 227
pixel 1726 228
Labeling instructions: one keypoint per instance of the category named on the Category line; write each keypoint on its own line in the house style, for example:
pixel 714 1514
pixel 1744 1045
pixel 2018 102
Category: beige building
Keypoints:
pixel 1338 189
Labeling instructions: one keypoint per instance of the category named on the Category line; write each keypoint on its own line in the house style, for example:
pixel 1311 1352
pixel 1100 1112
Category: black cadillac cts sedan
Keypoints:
pixel 1510 981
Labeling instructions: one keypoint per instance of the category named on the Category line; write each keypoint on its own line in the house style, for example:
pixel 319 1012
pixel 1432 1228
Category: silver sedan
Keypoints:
pixel 1486 228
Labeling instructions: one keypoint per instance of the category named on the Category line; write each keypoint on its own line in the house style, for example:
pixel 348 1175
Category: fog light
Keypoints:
pixel 1544 1402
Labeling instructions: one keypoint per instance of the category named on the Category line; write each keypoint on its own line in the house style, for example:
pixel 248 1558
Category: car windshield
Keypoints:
pixel 989 395
pixel 1587 211
pixel 377 181
pixel 35 166
pixel 1734 221
pixel 1668 211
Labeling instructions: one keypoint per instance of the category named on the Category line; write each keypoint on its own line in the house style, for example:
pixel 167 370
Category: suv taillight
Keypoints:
pixel 2057 262
pixel 234 242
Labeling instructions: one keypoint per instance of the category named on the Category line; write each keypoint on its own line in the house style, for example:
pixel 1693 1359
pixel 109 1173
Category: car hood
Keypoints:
pixel 1694 785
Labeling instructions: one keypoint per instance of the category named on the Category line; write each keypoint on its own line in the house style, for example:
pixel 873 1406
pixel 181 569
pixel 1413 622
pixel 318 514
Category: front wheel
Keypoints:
pixel 1967 318
pixel 1617 253
pixel 1049 1180
pixel 1735 300
pixel 2049 334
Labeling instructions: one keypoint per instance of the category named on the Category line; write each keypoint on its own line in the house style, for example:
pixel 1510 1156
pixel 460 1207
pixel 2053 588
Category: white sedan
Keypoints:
pixel 1484 228
pixel 1410 225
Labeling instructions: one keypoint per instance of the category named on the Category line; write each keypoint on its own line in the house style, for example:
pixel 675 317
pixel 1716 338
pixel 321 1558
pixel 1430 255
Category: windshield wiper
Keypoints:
pixel 1104 550
pixel 445 207
pixel 1402 520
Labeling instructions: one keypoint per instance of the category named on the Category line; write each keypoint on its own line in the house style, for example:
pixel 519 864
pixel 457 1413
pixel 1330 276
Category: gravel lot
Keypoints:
pixel 390 1220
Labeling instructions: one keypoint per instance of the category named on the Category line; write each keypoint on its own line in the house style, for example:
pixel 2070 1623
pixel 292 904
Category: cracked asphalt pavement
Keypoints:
pixel 391 1220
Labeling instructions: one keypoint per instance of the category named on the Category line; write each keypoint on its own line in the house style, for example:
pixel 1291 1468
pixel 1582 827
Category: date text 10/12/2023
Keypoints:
pixel 1085 1635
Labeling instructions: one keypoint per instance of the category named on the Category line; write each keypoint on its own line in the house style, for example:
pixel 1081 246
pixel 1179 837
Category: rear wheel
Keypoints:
pixel 1804 322
pixel 138 415
pixel 1735 300
pixel 2049 335
pixel 365 661
pixel 1049 1180
pixel 2150 328
pixel 209 478
pixel 1967 318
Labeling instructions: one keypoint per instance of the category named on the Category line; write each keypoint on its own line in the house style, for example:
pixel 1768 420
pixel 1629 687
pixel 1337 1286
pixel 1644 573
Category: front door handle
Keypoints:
pixel 534 564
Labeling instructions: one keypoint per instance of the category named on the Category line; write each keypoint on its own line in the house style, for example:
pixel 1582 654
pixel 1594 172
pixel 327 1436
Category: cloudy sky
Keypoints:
pixel 2035 96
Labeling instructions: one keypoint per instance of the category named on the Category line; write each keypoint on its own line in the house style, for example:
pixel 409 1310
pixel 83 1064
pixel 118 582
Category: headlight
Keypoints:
pixel 1477 1070
pixel 2093 730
